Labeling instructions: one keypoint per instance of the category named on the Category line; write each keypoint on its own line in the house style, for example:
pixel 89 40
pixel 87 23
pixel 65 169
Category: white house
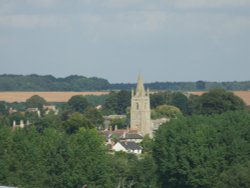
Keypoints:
pixel 128 147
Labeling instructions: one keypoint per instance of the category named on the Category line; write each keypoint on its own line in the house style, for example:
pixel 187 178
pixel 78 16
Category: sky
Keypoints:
pixel 164 40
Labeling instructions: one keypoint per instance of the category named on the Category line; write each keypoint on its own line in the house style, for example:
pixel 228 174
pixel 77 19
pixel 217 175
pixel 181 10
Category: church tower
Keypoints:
pixel 140 115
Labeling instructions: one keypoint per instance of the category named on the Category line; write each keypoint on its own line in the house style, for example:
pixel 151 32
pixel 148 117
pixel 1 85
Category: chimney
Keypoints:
pixel 38 113
pixel 21 124
pixel 14 124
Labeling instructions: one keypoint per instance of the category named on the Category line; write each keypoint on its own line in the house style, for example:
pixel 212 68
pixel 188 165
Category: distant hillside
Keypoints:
pixel 49 83
pixel 9 82
pixel 188 86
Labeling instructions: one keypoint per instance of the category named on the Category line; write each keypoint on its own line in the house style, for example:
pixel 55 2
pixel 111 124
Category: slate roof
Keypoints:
pixel 130 146
pixel 122 134
pixel 132 136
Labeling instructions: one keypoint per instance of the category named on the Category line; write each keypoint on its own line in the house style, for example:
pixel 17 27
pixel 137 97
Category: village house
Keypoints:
pixel 128 147
pixel 50 108
pixel 113 136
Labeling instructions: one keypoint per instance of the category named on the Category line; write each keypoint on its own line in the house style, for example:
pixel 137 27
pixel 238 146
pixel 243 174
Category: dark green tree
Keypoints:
pixel 147 144
pixel 78 103
pixel 117 103
pixel 120 123
pixel 181 101
pixel 94 116
pixel 143 173
pixel 3 108
pixel 197 151
pixel 5 154
pixel 237 176
pixel 75 122
pixel 48 121
pixel 218 101
pixel 88 162
pixel 159 98
pixel 35 102
pixel 200 85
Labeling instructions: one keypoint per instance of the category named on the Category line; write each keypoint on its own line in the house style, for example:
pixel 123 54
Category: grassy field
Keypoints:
pixel 245 95
pixel 48 96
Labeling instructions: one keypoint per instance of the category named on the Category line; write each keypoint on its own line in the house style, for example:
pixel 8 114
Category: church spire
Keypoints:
pixel 140 114
pixel 140 91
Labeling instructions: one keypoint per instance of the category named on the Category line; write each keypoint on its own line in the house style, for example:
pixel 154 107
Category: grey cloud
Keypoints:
pixel 166 39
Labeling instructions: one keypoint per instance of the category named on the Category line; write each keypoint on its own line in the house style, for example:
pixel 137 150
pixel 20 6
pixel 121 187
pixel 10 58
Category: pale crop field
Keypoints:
pixel 48 96
pixel 65 96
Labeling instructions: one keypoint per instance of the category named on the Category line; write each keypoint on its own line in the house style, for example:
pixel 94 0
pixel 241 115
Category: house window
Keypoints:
pixel 137 106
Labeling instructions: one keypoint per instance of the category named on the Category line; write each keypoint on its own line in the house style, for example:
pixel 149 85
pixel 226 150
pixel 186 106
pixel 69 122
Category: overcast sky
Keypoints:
pixel 164 40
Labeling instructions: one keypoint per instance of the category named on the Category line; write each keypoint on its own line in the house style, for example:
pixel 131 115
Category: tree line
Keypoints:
pixel 11 82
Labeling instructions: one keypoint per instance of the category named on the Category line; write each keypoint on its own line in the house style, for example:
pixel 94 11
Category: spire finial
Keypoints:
pixel 140 91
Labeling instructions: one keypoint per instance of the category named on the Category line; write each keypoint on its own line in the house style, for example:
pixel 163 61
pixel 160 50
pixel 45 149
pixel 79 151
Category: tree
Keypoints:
pixel 5 154
pixel 27 162
pixel 3 108
pixel 117 102
pixel 159 98
pixel 196 151
pixel 181 101
pixel 200 85
pixel 35 102
pixel 48 121
pixel 78 103
pixel 120 123
pixel 75 122
pixel 166 111
pixel 123 101
pixel 218 101
pixel 194 104
pixel 94 116
pixel 147 144
pixel 88 162
pixel 237 176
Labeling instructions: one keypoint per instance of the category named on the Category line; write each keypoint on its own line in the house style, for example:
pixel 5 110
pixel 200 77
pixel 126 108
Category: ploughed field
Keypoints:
pixel 245 95
pixel 48 96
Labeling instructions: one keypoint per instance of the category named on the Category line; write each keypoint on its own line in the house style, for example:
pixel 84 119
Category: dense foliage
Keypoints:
pixel 196 151
pixel 187 86
pixel 35 102
pixel 53 159
pixel 207 147
pixel 204 151
pixel 117 102
pixel 80 83
pixel 49 83
pixel 216 101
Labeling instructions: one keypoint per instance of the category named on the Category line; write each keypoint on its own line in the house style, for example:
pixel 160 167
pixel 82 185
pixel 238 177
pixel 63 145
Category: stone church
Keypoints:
pixel 140 114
